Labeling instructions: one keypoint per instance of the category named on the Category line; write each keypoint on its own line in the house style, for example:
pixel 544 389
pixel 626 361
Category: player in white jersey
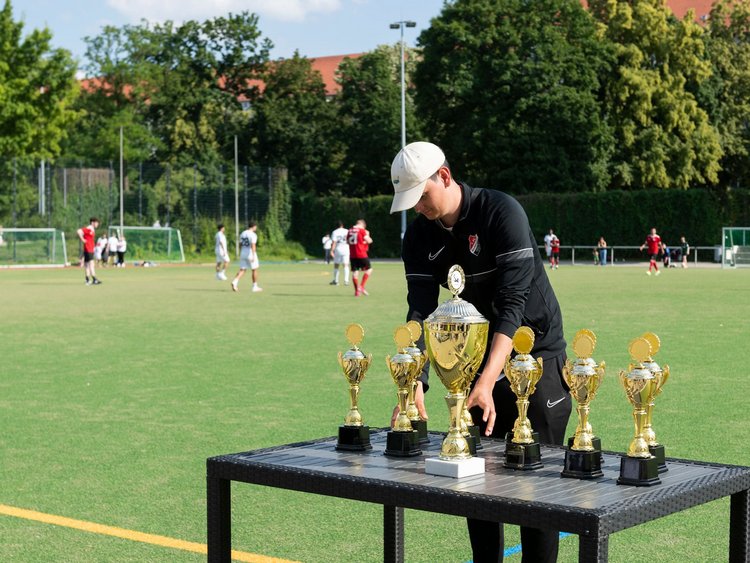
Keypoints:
pixel 248 256
pixel 222 254
pixel 340 253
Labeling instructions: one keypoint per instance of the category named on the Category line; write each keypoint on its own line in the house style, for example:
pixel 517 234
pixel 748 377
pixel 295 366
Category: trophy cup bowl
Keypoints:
pixel 522 448
pixel 354 435
pixel 456 340
pixel 639 467
pixel 660 378
pixel 402 440
pixel 415 330
pixel 584 376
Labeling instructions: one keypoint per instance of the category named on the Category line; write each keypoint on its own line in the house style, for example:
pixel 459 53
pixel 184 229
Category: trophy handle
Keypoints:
pixel 341 360
pixel 664 378
pixel 600 369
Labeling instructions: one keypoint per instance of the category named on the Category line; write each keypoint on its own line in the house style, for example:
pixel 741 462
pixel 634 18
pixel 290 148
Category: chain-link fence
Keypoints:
pixel 191 198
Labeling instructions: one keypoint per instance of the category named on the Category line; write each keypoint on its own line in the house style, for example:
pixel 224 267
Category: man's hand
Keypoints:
pixel 418 401
pixel 481 396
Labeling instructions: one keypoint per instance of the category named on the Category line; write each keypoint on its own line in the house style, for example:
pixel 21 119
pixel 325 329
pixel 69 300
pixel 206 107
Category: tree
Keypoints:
pixel 369 108
pixel 726 95
pixel 509 88
pixel 663 138
pixel 295 125
pixel 37 90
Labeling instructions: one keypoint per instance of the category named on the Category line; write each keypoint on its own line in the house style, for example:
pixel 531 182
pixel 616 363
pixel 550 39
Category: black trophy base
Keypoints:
pixel 421 427
pixel 639 471
pixel 582 465
pixel 522 456
pixel 402 444
pixel 476 435
pixel 658 452
pixel 354 438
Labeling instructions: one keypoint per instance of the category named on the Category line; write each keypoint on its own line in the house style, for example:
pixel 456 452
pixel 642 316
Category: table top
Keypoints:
pixel 539 498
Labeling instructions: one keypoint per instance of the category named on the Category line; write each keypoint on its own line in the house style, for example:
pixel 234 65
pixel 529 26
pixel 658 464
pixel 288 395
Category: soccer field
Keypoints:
pixel 112 397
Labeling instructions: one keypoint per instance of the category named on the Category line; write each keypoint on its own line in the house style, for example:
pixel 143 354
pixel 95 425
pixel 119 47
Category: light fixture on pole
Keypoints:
pixel 401 25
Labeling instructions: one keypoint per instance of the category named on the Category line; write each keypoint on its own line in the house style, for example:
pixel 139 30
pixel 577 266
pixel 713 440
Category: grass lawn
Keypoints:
pixel 112 397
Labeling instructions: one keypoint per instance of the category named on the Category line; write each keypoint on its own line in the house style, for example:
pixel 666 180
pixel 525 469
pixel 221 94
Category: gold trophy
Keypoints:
pixel 639 467
pixel 402 440
pixel 583 454
pixel 456 340
pixel 415 331
pixel 660 378
pixel 522 449
pixel 354 435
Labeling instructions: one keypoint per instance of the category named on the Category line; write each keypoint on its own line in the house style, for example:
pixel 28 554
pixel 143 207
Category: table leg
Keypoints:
pixel 393 534
pixel 218 504
pixel 593 549
pixel 739 527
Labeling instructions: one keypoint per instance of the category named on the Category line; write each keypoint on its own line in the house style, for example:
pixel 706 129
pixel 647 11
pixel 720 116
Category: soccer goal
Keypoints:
pixel 735 250
pixel 153 244
pixel 32 248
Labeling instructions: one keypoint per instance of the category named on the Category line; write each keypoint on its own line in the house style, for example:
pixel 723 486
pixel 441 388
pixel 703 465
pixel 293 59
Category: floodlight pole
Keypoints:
pixel 400 25
pixel 236 202
pixel 122 184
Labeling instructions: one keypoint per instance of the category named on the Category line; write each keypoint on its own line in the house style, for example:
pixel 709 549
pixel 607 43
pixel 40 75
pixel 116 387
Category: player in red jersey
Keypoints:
pixel 88 236
pixel 359 245
pixel 554 261
pixel 654 244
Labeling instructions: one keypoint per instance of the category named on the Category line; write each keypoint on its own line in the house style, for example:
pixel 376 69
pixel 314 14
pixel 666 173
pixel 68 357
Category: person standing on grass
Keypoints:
pixel 654 244
pixel 100 250
pixel 684 250
pixel 340 253
pixel 122 247
pixel 548 246
pixel 112 248
pixel 222 254
pixel 601 248
pixel 87 235
pixel 487 233
pixel 555 261
pixel 359 245
pixel 248 256
pixel 327 244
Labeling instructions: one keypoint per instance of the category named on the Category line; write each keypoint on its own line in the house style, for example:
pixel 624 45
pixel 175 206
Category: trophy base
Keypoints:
pixel 354 438
pixel 476 435
pixel 658 452
pixel 582 465
pixel 455 469
pixel 421 427
pixel 522 456
pixel 595 441
pixel 402 444
pixel 639 471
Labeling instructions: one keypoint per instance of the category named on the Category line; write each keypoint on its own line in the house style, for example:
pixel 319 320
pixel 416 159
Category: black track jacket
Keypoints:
pixel 505 276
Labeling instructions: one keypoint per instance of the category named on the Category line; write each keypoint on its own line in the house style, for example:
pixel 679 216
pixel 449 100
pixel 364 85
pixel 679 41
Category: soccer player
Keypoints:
pixel 487 233
pixel 359 244
pixel 112 248
pixel 222 254
pixel 87 235
pixel 340 253
pixel 684 251
pixel 654 244
pixel 555 260
pixel 248 256
pixel 100 250
pixel 122 248
pixel 548 246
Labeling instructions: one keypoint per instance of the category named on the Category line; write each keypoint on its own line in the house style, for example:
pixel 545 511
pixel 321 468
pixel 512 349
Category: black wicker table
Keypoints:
pixel 593 509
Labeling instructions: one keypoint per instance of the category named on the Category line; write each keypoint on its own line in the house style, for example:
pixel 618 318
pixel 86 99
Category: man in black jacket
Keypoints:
pixel 487 233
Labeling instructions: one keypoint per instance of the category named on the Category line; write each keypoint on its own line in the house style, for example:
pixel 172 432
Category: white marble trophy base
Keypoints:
pixel 455 469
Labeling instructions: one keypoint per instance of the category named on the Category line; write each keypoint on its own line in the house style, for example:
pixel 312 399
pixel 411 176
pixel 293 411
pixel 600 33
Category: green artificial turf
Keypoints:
pixel 112 397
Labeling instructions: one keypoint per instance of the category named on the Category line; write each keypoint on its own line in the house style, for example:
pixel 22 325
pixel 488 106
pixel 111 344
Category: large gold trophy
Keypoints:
pixel 402 440
pixel 639 467
pixel 415 331
pixel 456 340
pixel 354 435
pixel 583 454
pixel 660 378
pixel 522 448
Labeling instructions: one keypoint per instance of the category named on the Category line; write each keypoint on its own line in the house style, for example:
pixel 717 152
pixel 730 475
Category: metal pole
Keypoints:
pixel 140 192
pixel 236 202
pixel 403 119
pixel 122 184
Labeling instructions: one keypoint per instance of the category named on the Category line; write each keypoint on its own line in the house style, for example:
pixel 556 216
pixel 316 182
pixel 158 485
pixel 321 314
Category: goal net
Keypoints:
pixel 153 244
pixel 736 247
pixel 32 248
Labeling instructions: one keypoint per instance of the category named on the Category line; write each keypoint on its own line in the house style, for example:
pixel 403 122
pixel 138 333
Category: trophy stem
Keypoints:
pixel 402 423
pixel 522 426
pixel 353 417
pixel 411 408
pixel 454 445
pixel 583 437
pixel 639 447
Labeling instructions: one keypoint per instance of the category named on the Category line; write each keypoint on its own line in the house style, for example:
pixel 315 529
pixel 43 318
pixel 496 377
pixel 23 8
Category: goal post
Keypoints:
pixel 157 244
pixel 735 250
pixel 32 248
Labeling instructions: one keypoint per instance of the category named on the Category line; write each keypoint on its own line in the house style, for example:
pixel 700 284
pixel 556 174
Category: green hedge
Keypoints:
pixel 622 217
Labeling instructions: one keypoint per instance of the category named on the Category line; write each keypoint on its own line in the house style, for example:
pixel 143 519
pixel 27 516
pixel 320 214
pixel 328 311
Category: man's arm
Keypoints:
pixel 481 395
pixel 80 235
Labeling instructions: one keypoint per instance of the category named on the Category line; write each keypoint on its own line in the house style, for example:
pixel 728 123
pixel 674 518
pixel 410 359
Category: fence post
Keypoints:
pixel 140 192
pixel 195 205
pixel 15 171
pixel 169 178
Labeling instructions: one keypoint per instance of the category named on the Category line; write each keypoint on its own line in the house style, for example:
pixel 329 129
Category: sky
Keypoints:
pixel 316 28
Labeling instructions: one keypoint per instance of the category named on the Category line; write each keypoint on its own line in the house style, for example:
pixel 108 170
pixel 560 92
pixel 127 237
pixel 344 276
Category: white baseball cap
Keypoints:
pixel 412 167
